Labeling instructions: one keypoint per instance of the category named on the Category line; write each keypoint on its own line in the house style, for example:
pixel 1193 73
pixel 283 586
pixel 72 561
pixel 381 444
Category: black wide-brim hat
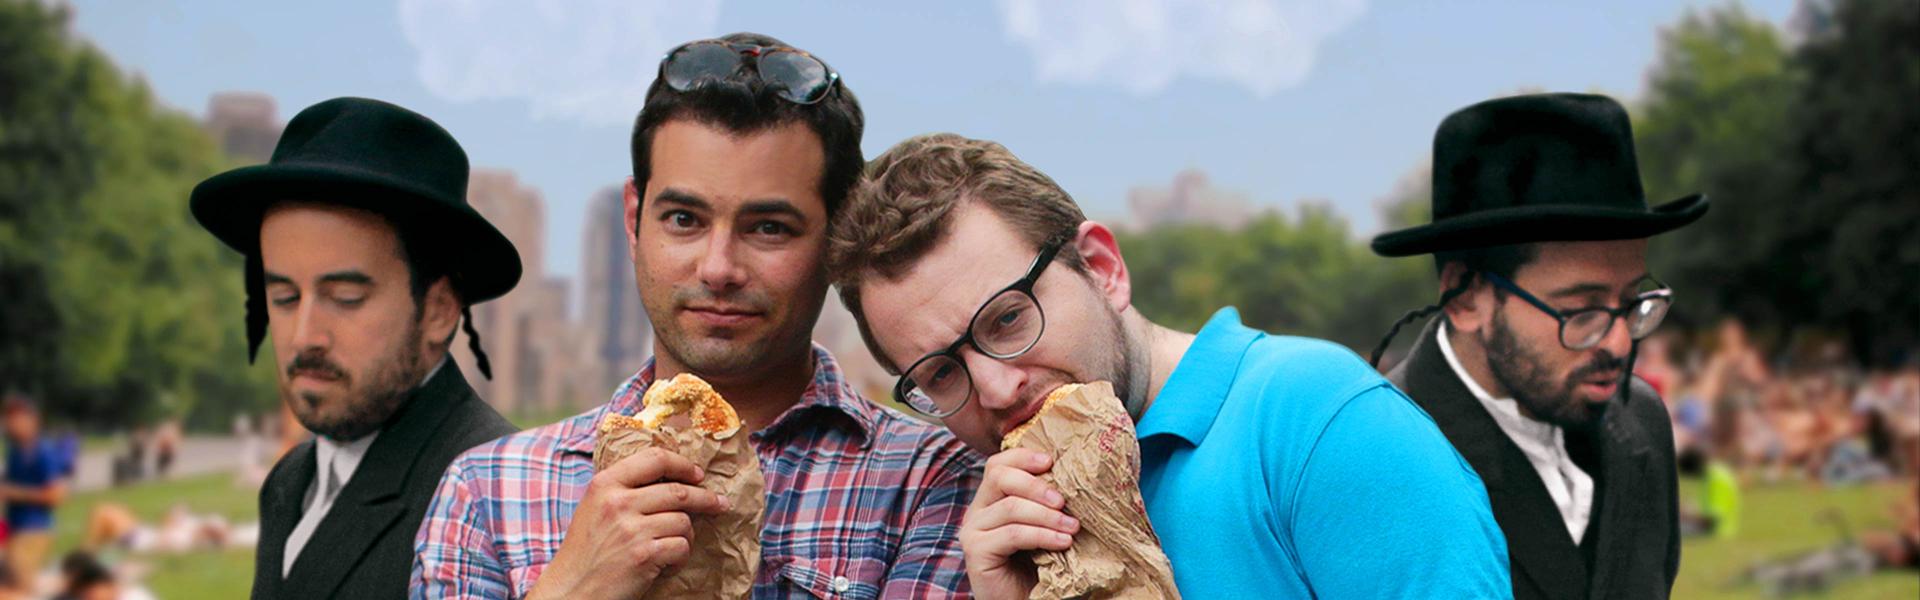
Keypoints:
pixel 1537 168
pixel 375 156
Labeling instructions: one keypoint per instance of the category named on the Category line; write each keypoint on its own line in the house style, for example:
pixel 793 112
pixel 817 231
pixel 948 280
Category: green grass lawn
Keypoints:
pixel 1778 520
pixel 1782 520
pixel 205 574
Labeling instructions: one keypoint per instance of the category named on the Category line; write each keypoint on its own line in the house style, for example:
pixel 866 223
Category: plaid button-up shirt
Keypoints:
pixel 862 501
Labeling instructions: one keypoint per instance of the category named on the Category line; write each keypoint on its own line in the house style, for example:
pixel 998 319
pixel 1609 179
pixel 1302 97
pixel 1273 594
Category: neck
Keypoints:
pixel 760 393
pixel 1155 351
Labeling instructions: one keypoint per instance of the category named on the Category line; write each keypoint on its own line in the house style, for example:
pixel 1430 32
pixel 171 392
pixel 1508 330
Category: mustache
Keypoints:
pixel 751 300
pixel 1604 362
pixel 317 363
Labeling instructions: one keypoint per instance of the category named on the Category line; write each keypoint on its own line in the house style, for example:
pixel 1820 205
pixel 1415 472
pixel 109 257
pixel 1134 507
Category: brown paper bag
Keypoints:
pixel 1096 467
pixel 726 547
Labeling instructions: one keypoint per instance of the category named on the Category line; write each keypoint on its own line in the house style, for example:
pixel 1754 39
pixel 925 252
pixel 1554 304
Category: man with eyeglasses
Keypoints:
pixel 742 156
pixel 1540 237
pixel 1271 466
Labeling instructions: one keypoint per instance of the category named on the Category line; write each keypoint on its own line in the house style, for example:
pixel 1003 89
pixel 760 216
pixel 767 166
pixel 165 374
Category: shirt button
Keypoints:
pixel 840 585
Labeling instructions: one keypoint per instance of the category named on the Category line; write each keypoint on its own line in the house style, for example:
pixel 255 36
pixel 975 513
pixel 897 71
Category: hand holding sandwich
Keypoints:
pixel 1013 511
pixel 632 525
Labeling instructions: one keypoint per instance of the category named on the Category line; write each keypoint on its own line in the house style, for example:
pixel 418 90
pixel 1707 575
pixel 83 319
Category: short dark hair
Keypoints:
pixel 745 104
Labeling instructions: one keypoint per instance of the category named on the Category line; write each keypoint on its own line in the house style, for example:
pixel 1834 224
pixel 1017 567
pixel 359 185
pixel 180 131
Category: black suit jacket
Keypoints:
pixel 1634 535
pixel 363 549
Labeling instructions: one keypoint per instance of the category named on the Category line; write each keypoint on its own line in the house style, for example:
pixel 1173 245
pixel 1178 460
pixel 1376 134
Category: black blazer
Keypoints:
pixel 1634 535
pixel 364 547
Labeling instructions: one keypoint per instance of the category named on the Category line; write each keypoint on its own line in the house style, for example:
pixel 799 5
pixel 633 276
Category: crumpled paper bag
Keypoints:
pixel 1096 467
pixel 726 547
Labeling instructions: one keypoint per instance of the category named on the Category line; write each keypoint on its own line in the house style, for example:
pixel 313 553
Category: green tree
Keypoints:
pixel 1714 121
pixel 1855 140
pixel 1808 154
pixel 127 311
pixel 1297 276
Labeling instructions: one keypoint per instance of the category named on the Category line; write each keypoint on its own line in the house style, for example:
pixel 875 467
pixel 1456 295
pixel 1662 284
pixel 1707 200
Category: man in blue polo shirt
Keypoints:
pixel 1271 466
pixel 36 483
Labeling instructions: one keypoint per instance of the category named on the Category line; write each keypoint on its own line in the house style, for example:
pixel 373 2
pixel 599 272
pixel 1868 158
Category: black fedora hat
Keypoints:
pixel 1537 168
pixel 371 155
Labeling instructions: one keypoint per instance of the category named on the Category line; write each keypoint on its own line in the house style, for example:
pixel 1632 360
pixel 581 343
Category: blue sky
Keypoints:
pixel 1284 100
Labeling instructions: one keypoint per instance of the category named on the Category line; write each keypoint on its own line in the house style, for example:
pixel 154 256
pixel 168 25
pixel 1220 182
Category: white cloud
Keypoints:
pixel 581 60
pixel 1143 45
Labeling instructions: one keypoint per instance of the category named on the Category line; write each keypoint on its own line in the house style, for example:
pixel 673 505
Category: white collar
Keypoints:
pixel 342 456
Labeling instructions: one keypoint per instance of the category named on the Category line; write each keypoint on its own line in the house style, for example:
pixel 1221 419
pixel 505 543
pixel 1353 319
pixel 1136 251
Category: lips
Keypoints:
pixel 723 315
pixel 316 374
pixel 1603 385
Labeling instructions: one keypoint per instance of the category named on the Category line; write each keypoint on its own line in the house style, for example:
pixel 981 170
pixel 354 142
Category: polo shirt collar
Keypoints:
pixel 1191 398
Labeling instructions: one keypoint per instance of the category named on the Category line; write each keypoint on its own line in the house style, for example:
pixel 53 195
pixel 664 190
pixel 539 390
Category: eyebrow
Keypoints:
pixel 1580 289
pixel 674 196
pixel 349 276
pixel 776 206
pixel 1592 288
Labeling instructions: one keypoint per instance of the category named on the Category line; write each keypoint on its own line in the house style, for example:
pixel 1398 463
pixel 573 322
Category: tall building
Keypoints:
pixel 245 124
pixel 618 337
pixel 526 333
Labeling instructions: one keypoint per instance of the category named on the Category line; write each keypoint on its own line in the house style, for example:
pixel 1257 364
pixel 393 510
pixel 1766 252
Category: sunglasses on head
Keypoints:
pixel 797 76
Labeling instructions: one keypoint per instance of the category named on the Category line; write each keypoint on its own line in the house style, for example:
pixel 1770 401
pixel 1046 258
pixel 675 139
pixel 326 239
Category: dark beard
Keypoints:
pixel 388 385
pixel 1522 371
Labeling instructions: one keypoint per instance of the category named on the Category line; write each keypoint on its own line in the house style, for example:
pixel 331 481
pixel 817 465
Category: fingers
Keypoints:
pixel 998 531
pixel 1018 476
pixel 1000 544
pixel 648 466
pixel 1020 511
pixel 665 525
pixel 675 497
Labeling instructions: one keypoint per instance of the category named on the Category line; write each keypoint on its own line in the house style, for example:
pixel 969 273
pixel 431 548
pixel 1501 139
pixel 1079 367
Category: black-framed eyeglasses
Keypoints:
pixel 1007 326
pixel 799 77
pixel 1585 328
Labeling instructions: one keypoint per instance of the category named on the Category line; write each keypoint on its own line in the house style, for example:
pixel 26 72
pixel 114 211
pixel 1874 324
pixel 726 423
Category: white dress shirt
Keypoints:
pixel 334 465
pixel 1543 443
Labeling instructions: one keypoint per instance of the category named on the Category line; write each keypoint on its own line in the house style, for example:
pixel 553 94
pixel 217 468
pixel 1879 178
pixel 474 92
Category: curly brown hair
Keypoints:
pixel 901 209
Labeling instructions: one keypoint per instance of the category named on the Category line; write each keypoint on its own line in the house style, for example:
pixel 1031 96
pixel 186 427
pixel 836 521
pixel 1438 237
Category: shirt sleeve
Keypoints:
pixel 453 555
pixel 1386 508
pixel 929 564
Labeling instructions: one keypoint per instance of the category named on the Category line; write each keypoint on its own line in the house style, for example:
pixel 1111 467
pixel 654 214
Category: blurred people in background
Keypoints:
pixel 112 527
pixel 166 445
pixel 84 577
pixel 35 484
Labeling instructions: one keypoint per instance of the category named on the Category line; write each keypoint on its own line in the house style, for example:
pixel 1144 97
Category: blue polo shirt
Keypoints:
pixel 1285 467
pixel 35 465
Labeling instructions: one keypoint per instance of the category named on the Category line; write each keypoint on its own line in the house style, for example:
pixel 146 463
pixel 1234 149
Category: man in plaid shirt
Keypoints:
pixel 743 152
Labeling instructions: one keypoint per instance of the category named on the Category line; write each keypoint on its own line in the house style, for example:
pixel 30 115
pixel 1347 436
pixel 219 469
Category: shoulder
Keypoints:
pixel 537 448
pixel 1310 362
pixel 472 423
pixel 1304 378
pixel 283 467
pixel 927 444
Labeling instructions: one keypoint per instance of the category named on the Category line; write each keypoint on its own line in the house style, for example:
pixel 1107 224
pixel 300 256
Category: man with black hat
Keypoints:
pixel 1540 238
pixel 362 258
